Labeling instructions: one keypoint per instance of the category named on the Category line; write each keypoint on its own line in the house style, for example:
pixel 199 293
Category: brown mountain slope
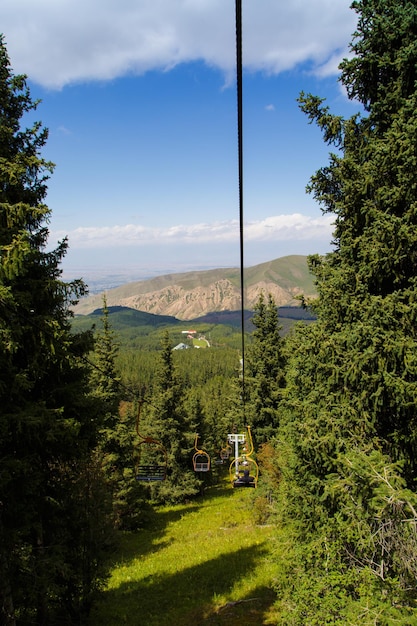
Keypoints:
pixel 193 294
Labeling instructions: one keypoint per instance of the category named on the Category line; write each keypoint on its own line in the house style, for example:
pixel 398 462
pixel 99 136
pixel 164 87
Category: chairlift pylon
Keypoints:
pixel 243 470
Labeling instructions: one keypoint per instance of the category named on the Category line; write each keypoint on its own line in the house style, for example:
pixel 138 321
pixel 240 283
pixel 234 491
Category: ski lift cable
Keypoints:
pixel 239 89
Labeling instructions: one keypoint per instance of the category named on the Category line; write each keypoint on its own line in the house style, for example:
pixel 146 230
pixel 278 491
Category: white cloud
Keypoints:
pixel 293 227
pixel 296 227
pixel 57 42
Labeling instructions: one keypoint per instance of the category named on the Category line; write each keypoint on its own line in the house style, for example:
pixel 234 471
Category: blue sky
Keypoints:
pixel 140 100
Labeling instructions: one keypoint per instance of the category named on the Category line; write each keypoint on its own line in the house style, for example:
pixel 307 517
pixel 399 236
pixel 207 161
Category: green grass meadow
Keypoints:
pixel 206 562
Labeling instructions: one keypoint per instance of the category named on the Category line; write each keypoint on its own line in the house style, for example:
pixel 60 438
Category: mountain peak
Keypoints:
pixel 190 295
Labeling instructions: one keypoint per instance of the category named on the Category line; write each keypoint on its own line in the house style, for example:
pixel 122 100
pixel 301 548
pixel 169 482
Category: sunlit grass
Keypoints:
pixel 206 562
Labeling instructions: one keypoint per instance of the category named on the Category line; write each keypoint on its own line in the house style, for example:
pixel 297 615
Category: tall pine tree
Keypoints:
pixel 264 371
pixel 117 432
pixel 167 420
pixel 349 433
pixel 48 420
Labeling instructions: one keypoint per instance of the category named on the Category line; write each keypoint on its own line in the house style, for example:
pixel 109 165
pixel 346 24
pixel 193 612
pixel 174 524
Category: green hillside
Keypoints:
pixel 139 330
pixel 124 317
pixel 292 270
pixel 286 271
pixel 208 562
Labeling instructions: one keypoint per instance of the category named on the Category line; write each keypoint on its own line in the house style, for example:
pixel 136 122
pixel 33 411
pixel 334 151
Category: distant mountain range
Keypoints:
pixel 191 295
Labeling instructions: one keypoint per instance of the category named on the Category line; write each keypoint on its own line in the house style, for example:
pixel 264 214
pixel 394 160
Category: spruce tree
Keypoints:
pixel 105 379
pixel 168 421
pixel 349 432
pixel 264 371
pixel 117 431
pixel 48 420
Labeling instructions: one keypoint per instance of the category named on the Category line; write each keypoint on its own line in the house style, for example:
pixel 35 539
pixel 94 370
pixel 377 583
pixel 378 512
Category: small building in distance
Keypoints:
pixel 181 346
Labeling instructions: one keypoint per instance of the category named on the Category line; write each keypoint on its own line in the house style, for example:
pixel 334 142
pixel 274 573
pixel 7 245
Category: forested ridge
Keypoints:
pixel 331 403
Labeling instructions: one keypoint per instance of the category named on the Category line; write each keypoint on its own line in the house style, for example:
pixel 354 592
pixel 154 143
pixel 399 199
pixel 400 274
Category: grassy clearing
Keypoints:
pixel 201 563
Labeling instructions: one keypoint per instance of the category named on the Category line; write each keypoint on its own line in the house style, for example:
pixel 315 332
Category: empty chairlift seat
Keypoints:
pixel 201 460
pixel 151 457
pixel 150 473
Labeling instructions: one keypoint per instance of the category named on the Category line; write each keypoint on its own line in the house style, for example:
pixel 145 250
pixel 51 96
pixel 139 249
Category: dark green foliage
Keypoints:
pixel 105 381
pixel 48 420
pixel 137 330
pixel 82 526
pixel 117 433
pixel 264 371
pixel 382 75
pixel 348 433
pixel 196 367
pixel 124 316
pixel 167 421
pixel 215 398
pixel 206 380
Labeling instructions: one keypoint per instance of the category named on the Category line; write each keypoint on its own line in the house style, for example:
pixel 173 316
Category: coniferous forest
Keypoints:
pixel 331 403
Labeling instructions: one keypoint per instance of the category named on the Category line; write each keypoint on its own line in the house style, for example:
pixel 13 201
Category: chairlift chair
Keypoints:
pixel 225 452
pixel 201 460
pixel 152 462
pixel 156 469
pixel 244 472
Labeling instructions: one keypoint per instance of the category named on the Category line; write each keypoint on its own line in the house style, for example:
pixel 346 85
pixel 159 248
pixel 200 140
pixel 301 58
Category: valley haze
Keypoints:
pixel 101 279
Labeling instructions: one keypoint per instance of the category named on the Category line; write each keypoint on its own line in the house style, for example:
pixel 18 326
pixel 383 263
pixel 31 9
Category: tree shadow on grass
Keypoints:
pixel 149 539
pixel 189 597
pixel 213 492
